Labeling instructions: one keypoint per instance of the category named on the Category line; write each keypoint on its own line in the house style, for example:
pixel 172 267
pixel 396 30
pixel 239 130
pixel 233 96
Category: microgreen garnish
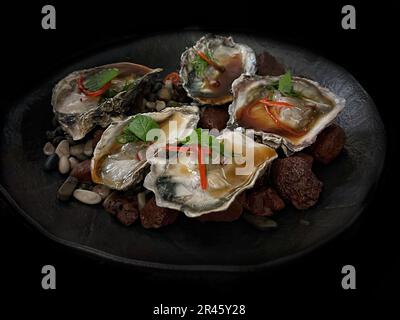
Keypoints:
pixel 137 129
pixel 200 65
pixel 198 136
pixel 285 86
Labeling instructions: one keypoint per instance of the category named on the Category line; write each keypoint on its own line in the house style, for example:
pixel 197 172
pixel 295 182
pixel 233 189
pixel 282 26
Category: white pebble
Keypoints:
pixel 150 105
pixel 164 94
pixel 76 150
pixel 72 162
pixel 63 165
pixel 160 105
pixel 48 149
pixel 63 149
pixel 102 190
pixel 86 196
pixel 88 148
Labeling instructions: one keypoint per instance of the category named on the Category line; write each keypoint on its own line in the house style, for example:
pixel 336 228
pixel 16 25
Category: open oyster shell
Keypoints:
pixel 210 85
pixel 315 108
pixel 119 166
pixel 176 184
pixel 78 113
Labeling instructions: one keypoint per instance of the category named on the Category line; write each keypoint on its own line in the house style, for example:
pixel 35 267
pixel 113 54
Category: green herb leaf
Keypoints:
pixel 285 86
pixel 285 83
pixel 198 136
pixel 141 125
pixel 96 81
pixel 200 65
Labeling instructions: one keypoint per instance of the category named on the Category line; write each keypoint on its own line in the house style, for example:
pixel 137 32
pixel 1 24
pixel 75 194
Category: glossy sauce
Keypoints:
pixel 116 148
pixel 255 116
pixel 261 154
pixel 225 172
pixel 221 85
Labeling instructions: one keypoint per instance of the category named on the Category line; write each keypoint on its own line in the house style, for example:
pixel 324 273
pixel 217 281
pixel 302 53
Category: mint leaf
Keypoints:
pixel 97 80
pixel 285 83
pixel 198 136
pixel 284 86
pixel 141 125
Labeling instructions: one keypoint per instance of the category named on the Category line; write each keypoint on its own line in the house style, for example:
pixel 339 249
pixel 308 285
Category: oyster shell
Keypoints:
pixel 78 113
pixel 119 166
pixel 293 127
pixel 176 184
pixel 212 84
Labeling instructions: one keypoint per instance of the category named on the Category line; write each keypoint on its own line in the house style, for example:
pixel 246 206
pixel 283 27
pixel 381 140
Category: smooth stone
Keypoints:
pixel 63 148
pixel 72 162
pixel 260 222
pixel 88 148
pixel 164 94
pixel 150 105
pixel 67 188
pixel 51 162
pixel 102 190
pixel 63 165
pixel 86 196
pixel 160 105
pixel 76 150
pixel 48 149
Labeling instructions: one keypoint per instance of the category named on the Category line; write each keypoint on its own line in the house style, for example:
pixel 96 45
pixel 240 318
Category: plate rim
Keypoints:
pixel 181 267
pixel 142 264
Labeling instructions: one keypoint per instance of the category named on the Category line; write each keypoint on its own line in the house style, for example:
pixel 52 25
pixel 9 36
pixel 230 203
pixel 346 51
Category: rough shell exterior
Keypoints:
pixel 79 122
pixel 241 88
pixel 137 169
pixel 210 42
pixel 197 202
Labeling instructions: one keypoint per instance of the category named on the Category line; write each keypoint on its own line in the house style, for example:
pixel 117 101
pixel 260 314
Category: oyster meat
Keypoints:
pixel 78 112
pixel 211 65
pixel 290 120
pixel 119 166
pixel 176 181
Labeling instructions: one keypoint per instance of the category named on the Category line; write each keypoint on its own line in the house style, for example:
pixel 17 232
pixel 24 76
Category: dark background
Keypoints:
pixel 369 53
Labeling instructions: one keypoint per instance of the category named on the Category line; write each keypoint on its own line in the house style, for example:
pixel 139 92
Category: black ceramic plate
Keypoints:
pixel 191 245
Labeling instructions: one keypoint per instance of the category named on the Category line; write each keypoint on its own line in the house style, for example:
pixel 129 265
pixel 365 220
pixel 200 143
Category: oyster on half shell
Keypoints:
pixel 78 113
pixel 119 166
pixel 177 184
pixel 208 80
pixel 291 121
